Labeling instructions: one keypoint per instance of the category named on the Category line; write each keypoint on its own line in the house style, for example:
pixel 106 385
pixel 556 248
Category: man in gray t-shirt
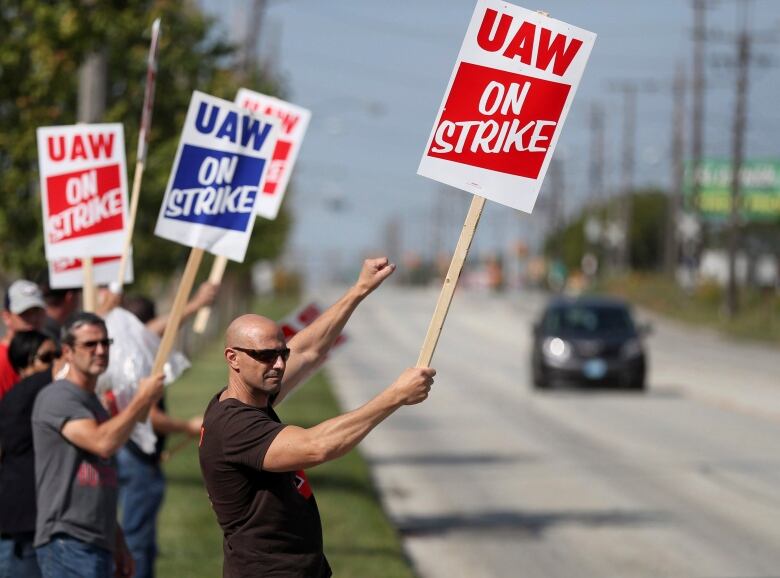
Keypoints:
pixel 77 534
pixel 77 490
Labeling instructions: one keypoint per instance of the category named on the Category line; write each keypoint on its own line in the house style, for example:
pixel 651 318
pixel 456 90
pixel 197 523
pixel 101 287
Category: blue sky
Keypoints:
pixel 374 74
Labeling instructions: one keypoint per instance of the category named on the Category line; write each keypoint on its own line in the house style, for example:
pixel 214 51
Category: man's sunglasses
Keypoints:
pixel 266 355
pixel 92 344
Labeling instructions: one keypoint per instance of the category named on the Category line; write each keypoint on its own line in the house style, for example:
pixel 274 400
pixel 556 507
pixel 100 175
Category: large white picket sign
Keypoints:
pixel 69 273
pixel 508 96
pixel 83 189
pixel 215 181
pixel 293 121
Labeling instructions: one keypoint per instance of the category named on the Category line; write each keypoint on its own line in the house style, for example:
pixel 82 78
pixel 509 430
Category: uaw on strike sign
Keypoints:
pixel 67 273
pixel 510 92
pixel 293 121
pixel 217 176
pixel 83 189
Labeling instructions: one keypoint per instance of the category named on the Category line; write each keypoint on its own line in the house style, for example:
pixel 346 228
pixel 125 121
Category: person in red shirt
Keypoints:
pixel 23 311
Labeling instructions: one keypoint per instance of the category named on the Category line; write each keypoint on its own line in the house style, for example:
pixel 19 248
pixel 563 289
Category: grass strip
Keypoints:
pixel 359 540
pixel 758 318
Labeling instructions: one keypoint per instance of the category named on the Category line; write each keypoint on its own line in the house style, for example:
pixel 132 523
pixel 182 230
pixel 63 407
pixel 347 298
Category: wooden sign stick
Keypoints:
pixel 88 294
pixel 143 147
pixel 174 317
pixel 215 277
pixel 180 445
pixel 453 274
pixel 134 196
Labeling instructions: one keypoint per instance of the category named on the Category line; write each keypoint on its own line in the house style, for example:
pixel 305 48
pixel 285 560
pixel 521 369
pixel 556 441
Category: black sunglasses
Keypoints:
pixel 92 344
pixel 265 355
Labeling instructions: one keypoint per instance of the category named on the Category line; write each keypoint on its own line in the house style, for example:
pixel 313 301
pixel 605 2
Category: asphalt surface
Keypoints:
pixel 487 478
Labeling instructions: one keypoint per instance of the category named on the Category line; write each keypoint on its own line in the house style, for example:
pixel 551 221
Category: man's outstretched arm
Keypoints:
pixel 296 448
pixel 311 345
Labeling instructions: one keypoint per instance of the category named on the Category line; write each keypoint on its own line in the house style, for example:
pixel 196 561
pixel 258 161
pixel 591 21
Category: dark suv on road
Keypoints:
pixel 590 341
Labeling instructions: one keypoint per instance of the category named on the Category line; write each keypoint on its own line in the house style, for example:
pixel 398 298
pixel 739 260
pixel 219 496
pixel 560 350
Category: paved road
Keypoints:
pixel 489 479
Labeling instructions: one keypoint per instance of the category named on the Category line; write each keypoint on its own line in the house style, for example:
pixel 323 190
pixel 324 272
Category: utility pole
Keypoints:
pixel 699 87
pixel 556 203
pixel 596 175
pixel 627 167
pixel 738 154
pixel 92 88
pixel 672 249
pixel 92 82
pixel 630 91
pixel 249 46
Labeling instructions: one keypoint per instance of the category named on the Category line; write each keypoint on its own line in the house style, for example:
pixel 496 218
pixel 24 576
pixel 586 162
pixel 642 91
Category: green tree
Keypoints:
pixel 646 232
pixel 43 45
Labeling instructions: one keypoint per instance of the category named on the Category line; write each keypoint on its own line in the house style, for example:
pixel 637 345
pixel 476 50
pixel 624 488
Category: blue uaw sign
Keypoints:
pixel 217 177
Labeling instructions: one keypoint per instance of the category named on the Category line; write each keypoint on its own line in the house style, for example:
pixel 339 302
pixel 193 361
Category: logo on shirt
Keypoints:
pixel 96 475
pixel 302 484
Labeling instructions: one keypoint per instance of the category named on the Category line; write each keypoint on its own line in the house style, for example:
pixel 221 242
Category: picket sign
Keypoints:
pixel 143 147
pixel 209 203
pixel 508 97
pixel 89 292
pixel 83 193
pixel 69 273
pixel 294 121
pixel 215 277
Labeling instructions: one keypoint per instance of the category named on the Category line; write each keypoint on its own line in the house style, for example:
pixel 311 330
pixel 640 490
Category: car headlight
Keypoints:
pixel 631 348
pixel 556 349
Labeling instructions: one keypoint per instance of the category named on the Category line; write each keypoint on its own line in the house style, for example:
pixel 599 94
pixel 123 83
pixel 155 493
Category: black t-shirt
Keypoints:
pixel 17 459
pixel 270 520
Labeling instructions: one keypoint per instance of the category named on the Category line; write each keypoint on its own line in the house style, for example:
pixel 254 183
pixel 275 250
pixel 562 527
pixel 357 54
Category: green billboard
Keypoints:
pixel 760 189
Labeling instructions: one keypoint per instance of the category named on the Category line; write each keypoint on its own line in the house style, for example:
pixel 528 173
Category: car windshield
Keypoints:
pixel 587 319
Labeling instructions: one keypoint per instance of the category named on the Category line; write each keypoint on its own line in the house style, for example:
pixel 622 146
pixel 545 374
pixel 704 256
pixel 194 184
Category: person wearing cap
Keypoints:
pixel 23 311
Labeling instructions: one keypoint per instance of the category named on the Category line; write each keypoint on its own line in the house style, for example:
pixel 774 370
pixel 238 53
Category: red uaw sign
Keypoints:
pixel 508 96
pixel 69 273
pixel 302 318
pixel 293 121
pixel 83 189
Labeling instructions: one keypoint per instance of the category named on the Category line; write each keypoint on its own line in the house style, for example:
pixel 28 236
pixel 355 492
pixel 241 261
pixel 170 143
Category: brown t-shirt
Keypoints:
pixel 270 520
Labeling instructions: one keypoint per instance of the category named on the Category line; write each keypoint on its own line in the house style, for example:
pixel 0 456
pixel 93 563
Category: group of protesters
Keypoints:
pixel 72 460
pixel 69 459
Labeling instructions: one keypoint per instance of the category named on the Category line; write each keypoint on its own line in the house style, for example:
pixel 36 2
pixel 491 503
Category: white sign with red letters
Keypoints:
pixel 69 273
pixel 293 123
pixel 506 102
pixel 83 189
pixel 302 318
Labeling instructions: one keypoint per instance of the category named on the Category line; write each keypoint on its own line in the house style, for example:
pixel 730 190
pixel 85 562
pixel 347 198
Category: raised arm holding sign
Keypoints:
pixel 501 117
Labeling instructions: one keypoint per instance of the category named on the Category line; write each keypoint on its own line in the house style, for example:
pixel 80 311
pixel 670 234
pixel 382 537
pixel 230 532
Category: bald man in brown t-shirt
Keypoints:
pixel 254 465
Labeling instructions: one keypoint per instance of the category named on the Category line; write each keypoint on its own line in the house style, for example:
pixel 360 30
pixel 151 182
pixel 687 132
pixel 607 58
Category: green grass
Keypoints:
pixel 359 540
pixel 758 318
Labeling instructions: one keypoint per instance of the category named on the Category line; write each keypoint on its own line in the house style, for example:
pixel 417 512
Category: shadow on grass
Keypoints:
pixel 528 525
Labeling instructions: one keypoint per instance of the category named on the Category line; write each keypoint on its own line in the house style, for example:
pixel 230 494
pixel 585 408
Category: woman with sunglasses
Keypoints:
pixel 34 356
pixel 31 352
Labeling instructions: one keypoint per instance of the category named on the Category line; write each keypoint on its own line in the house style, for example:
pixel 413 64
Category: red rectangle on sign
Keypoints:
pixel 277 167
pixel 499 120
pixel 65 265
pixel 83 203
